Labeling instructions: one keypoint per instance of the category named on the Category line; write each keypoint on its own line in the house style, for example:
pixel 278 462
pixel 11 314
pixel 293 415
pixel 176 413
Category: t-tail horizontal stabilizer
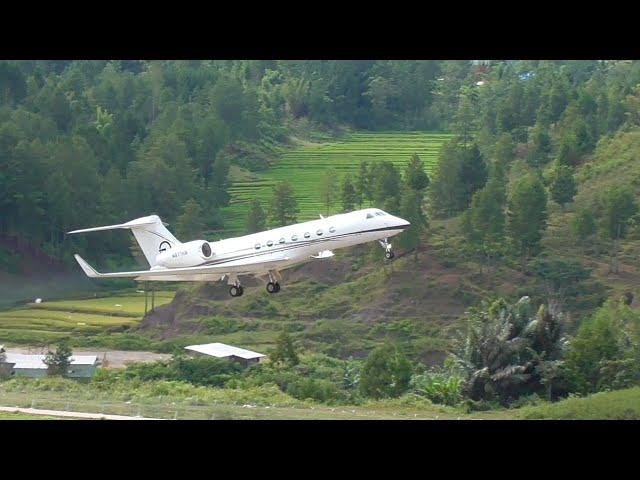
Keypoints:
pixel 88 269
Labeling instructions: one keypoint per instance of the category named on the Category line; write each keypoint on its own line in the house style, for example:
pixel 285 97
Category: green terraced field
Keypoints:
pixel 303 167
pixel 56 319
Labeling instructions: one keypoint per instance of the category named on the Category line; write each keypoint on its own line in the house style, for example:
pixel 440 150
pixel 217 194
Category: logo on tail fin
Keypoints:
pixel 164 246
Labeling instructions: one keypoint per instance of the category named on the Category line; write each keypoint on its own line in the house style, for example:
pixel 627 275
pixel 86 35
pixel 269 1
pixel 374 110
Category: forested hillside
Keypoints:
pixel 96 142
pixel 525 223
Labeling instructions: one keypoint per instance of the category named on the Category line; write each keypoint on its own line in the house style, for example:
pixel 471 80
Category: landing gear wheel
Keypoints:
pixel 273 287
pixel 389 255
pixel 236 290
pixel 277 287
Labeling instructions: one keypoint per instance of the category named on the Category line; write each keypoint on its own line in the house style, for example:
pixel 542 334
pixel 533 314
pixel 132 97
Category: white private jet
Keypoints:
pixel 264 253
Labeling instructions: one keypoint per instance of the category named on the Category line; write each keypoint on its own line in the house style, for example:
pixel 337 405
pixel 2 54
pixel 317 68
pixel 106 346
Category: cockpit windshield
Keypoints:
pixel 369 215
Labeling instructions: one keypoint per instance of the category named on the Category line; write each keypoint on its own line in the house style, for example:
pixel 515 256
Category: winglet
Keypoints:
pixel 88 269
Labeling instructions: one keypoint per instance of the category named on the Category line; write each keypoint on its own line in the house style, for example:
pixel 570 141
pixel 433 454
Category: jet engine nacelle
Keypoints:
pixel 188 254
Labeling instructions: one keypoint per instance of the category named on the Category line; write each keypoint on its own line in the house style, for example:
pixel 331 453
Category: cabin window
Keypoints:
pixel 282 240
pixel 270 243
pixel 369 215
pixel 319 232
pixel 380 214
pixel 294 238
pixel 206 250
pixel 307 234
pixel 257 246
pixel 332 230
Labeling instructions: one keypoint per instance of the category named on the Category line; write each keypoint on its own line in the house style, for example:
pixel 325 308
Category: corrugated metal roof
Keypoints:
pixel 221 350
pixel 37 361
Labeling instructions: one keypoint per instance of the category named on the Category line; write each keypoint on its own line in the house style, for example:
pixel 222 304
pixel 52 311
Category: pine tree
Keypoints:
pixel 483 222
pixel 473 173
pixel 190 224
pixel 328 189
pixel 617 205
pixel 563 185
pixel 584 226
pixel 411 210
pixel 256 218
pixel 348 195
pixel 363 189
pixel 285 352
pixel 284 206
pixel 414 175
pixel 527 215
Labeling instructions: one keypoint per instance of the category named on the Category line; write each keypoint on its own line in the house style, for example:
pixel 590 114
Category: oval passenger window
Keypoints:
pixel 282 240
pixel 332 230
pixel 270 243
pixel 206 250
pixel 257 246
pixel 307 235
pixel 319 232
pixel 294 238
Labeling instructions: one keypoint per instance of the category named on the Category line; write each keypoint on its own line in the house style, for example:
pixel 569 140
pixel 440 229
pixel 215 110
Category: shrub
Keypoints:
pixel 604 353
pixel 439 386
pixel 386 373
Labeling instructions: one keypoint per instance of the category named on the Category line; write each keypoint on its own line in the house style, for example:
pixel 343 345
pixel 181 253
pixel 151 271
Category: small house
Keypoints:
pixel 220 350
pixel 33 366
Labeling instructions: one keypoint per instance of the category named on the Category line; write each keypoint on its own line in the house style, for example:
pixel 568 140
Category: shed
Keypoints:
pixel 81 366
pixel 220 350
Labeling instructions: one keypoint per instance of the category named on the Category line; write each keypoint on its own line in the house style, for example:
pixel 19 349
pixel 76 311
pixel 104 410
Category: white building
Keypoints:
pixel 21 365
pixel 220 350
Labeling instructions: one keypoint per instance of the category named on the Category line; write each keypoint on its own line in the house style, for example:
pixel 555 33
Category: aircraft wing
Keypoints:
pixel 205 272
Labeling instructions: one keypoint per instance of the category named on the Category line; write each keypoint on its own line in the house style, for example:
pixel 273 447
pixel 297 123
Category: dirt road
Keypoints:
pixel 73 415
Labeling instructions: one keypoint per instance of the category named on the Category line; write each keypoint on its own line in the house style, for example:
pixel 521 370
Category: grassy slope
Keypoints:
pixel 51 321
pixel 304 165
pixel 616 162
pixel 175 400
pixel 343 306
pixel 618 405
pixel 24 416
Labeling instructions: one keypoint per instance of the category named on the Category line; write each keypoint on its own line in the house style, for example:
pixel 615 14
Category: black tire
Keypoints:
pixel 277 285
pixel 240 290
pixel 271 287
pixel 389 255
pixel 234 291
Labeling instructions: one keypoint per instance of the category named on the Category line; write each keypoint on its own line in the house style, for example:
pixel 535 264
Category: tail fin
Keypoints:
pixel 151 234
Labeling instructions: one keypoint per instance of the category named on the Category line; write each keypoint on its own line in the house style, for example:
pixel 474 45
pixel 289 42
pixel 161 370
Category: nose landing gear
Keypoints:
pixel 388 254
pixel 235 289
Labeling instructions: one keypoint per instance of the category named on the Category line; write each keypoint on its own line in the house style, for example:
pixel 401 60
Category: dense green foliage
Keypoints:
pixel 385 373
pixel 605 353
pixel 508 351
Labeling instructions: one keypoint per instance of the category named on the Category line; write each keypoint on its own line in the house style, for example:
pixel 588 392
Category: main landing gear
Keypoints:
pixel 236 290
pixel 388 253
pixel 273 286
